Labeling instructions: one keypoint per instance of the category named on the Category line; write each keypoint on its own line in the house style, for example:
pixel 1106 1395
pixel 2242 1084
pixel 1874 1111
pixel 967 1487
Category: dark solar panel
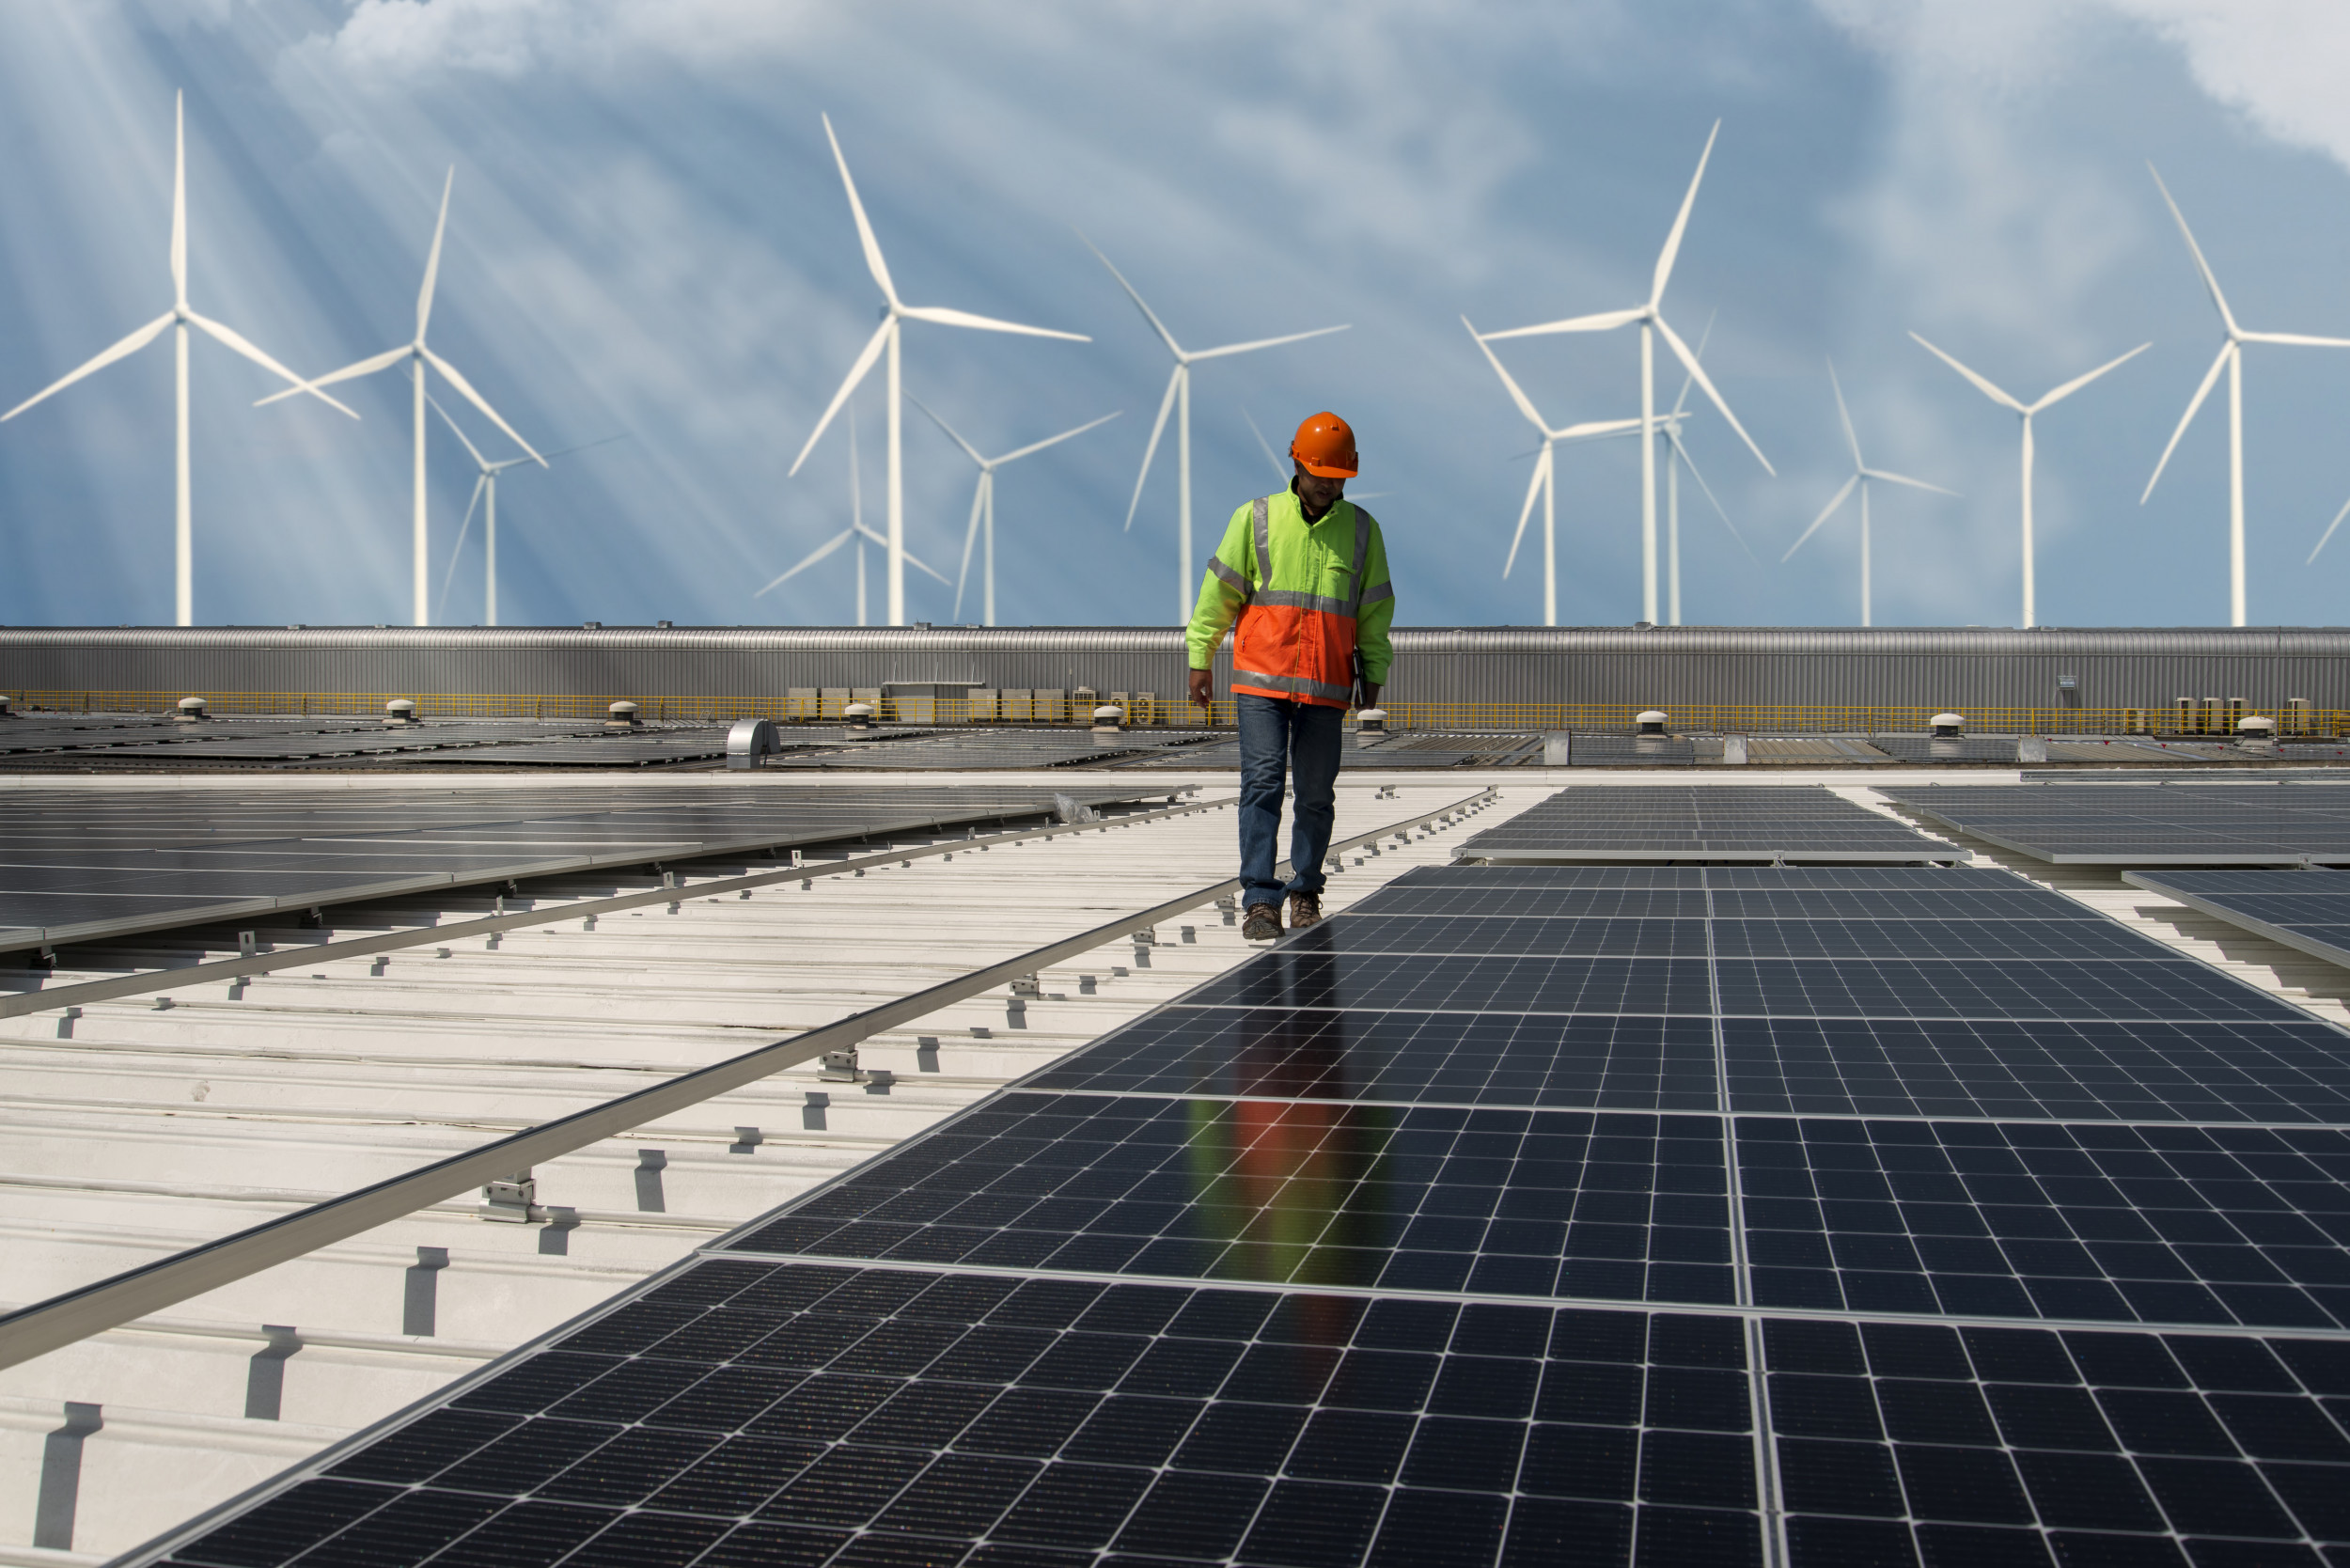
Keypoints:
pixel 1717 822
pixel 2309 910
pixel 1424 1237
pixel 2149 824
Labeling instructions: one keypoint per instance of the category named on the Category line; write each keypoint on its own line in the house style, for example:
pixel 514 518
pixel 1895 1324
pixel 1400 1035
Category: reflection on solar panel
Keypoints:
pixel 1715 1224
pixel 1609 751
pixel 1669 822
pixel 2308 910
pixel 978 749
pixel 1400 749
pixel 97 864
pixel 2153 824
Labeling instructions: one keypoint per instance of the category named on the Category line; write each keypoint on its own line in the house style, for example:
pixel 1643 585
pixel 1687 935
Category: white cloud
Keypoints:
pixel 401 38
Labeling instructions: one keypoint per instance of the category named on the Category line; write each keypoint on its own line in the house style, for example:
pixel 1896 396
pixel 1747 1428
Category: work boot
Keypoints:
pixel 1304 910
pixel 1262 923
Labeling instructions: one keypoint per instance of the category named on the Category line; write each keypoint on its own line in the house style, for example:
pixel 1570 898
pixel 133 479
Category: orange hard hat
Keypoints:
pixel 1325 445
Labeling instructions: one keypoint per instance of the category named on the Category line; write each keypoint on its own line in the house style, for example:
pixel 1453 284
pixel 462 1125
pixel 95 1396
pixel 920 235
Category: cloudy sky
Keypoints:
pixel 647 239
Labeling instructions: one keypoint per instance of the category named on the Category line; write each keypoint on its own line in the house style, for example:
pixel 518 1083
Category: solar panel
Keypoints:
pixel 1399 1245
pixel 2147 825
pixel 1413 749
pixel 2307 910
pixel 94 864
pixel 1665 823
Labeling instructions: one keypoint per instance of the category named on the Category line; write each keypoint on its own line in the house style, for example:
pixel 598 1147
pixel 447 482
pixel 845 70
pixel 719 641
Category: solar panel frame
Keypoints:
pixel 2265 903
pixel 2147 825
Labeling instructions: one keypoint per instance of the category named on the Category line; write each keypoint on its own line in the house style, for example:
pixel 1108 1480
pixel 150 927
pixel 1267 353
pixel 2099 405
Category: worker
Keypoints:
pixel 1304 572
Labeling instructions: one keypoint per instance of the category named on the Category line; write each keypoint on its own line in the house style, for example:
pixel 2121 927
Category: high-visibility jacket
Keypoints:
pixel 1306 596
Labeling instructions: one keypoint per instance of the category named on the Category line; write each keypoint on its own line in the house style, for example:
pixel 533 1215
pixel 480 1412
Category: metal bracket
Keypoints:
pixel 840 1067
pixel 1027 985
pixel 512 1199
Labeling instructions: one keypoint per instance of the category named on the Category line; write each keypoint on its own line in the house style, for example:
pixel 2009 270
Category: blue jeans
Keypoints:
pixel 1302 739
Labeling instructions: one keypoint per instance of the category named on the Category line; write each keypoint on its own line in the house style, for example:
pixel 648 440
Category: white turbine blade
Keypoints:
pixel 2078 382
pixel 1607 320
pixel 567 451
pixel 1053 440
pixel 1825 513
pixel 2211 280
pixel 2193 405
pixel 384 361
pixel 1903 478
pixel 2296 340
pixel 1517 396
pixel 1981 386
pixel 912 559
pixel 480 461
pixel 1705 382
pixel 1265 343
pixel 2328 533
pixel 1147 314
pixel 231 339
pixel 948 428
pixel 1158 428
pixel 1852 437
pixel 1266 446
pixel 1533 488
pixel 458 549
pixel 1704 338
pixel 873 262
pixel 811 558
pixel 465 387
pixel 865 358
pixel 129 345
pixel 983 323
pixel 432 261
pixel 1680 223
pixel 1595 429
pixel 1673 434
pixel 970 538
pixel 179 197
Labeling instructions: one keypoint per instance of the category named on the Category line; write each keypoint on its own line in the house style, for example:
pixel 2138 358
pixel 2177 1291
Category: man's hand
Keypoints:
pixel 1369 692
pixel 1203 687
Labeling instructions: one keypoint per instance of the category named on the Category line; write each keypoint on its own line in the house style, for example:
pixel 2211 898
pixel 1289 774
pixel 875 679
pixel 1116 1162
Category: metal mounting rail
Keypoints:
pixel 18 1004
pixel 92 1309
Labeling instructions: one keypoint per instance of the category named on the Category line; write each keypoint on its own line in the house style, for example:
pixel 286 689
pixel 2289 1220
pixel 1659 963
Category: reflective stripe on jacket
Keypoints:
pixel 1306 596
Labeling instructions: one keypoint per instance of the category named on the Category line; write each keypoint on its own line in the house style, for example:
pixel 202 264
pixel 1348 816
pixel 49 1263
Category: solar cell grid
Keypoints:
pixel 2148 826
pixel 1660 822
pixel 2308 910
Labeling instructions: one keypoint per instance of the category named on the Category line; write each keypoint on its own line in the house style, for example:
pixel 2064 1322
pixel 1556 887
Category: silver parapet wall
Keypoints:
pixel 1667 666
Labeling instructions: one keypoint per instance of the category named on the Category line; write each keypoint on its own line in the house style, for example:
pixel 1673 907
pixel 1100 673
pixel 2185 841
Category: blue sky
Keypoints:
pixel 648 237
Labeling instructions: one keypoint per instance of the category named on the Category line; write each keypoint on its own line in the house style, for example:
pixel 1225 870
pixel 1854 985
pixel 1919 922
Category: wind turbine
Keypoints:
pixel 894 314
pixel 2028 409
pixel 1544 482
pixel 419 355
pixel 1668 426
pixel 983 503
pixel 2231 357
pixel 1861 474
pixel 1650 317
pixel 1179 398
pixel 855 530
pixel 486 486
pixel 180 318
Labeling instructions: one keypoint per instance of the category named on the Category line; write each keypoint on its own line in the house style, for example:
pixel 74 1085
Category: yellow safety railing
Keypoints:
pixel 1170 710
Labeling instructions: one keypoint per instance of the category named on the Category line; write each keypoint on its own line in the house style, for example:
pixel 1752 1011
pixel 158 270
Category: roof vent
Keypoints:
pixel 1652 721
pixel 2256 733
pixel 4 708
pixel 591 625
pixel 748 741
pixel 1108 717
pixel 400 709
pixel 1946 727
pixel 620 715
pixel 190 710
pixel 663 626
pixel 1374 719
pixel 860 717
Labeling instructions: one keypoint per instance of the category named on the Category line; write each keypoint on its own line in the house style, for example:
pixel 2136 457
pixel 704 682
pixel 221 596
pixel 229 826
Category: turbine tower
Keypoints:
pixel 894 314
pixel 983 505
pixel 855 530
pixel 1650 317
pixel 485 487
pixel 2231 358
pixel 2028 409
pixel 1669 428
pixel 180 317
pixel 1179 399
pixel 1544 479
pixel 419 356
pixel 1861 474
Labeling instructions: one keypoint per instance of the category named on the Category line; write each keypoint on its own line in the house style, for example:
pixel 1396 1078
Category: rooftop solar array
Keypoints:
pixel 1703 823
pixel 1514 1215
pixel 94 864
pixel 1413 749
pixel 2149 824
pixel 976 750
pixel 2303 909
